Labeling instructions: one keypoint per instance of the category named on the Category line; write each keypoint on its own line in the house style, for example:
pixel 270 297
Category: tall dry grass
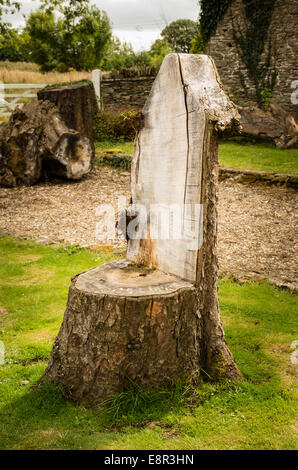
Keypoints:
pixel 23 72
pixel 6 64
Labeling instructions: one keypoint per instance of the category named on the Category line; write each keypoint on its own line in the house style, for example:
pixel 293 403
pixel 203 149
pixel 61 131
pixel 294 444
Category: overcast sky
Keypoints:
pixel 136 21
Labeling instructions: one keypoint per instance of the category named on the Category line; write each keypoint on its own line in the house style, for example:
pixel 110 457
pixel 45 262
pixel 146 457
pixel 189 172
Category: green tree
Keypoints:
pixel 179 34
pixel 143 59
pixel 159 49
pixel 46 40
pixel 13 45
pixel 78 38
pixel 197 44
pixel 118 56
pixel 121 55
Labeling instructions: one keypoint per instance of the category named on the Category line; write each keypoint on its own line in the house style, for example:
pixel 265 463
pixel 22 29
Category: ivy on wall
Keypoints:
pixel 250 41
pixel 212 11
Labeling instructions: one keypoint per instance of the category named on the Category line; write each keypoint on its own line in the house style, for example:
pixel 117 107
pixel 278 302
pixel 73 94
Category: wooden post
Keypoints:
pixel 96 84
pixel 2 94
pixel 154 317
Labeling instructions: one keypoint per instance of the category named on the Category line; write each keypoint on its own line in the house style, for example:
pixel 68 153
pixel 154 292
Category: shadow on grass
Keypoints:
pixel 44 409
pixel 260 326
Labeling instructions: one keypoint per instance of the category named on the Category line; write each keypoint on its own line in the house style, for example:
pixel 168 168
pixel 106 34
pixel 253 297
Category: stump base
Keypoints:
pixel 125 322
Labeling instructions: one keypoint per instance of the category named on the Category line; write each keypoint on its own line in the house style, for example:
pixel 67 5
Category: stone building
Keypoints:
pixel 284 34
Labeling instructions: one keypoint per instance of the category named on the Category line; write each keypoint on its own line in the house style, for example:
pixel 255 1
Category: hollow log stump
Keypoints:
pixel 37 142
pixel 154 318
pixel 77 105
pixel 125 322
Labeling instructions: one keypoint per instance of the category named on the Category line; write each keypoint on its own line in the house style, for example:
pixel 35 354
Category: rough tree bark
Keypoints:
pixel 215 355
pixel 36 140
pixel 125 322
pixel 154 318
pixel 77 105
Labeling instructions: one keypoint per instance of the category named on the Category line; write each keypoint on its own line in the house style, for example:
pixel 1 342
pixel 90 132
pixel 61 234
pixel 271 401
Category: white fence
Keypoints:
pixel 20 92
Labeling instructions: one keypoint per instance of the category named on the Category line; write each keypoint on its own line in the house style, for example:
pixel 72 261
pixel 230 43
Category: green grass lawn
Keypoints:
pixel 238 153
pixel 257 413
pixel 264 156
pixel 126 148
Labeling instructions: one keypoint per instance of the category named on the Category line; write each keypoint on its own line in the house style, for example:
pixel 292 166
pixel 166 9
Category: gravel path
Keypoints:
pixel 256 223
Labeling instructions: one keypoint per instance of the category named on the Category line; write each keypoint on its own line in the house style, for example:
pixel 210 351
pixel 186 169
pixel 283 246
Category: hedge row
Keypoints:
pixel 117 124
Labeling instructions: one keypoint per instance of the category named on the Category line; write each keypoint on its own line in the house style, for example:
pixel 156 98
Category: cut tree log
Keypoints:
pixel 77 105
pixel 6 175
pixel 36 141
pixel 154 318
pixel 273 124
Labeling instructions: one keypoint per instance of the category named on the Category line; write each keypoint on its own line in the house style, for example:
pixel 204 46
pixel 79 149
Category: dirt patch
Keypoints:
pixel 33 275
pixel 3 311
pixel 257 232
pixel 27 259
pixel 282 354
pixel 42 335
pixel 256 236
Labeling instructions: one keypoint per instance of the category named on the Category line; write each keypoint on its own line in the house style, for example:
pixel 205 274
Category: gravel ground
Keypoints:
pixel 256 223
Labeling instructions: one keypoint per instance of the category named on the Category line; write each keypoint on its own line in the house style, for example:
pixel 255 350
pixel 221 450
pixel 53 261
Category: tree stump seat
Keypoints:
pixel 125 321
pixel 126 279
pixel 154 318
